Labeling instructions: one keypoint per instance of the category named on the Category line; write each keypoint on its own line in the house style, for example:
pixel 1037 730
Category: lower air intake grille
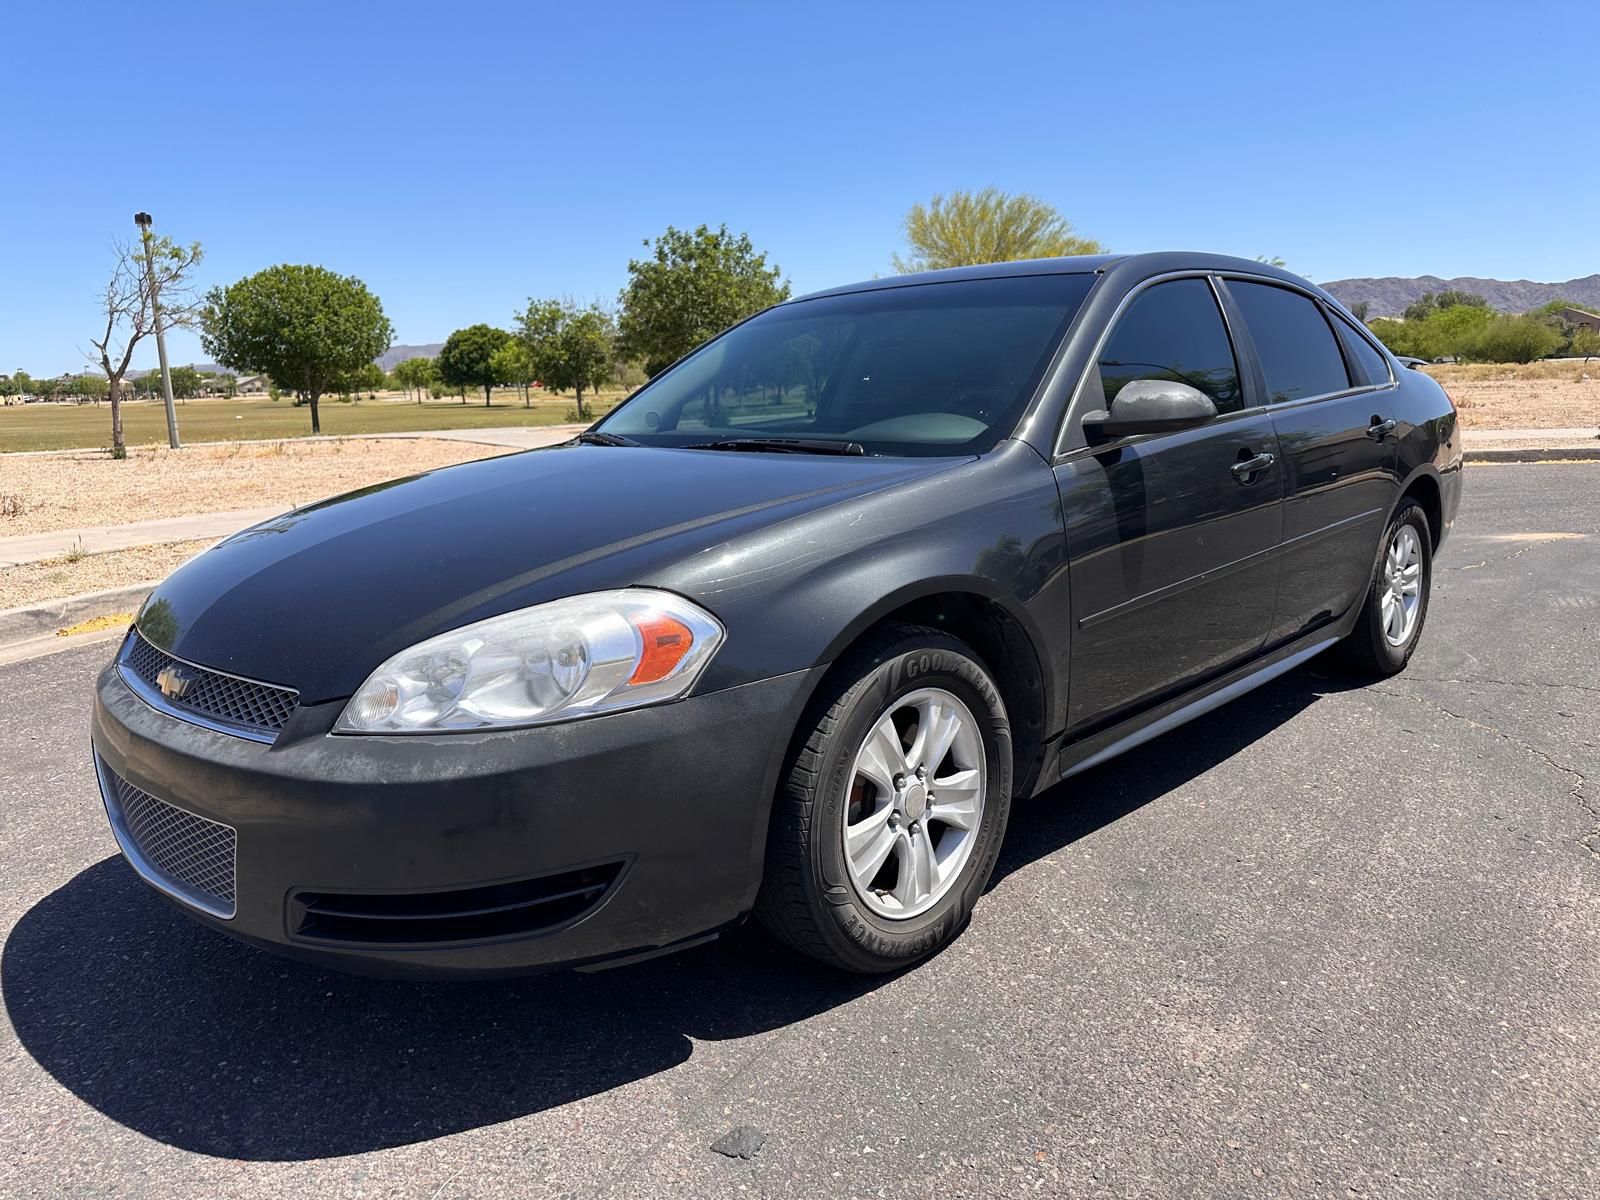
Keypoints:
pixel 466 915
pixel 182 854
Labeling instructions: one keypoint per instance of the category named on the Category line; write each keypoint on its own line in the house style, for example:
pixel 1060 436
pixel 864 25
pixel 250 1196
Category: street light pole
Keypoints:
pixel 143 220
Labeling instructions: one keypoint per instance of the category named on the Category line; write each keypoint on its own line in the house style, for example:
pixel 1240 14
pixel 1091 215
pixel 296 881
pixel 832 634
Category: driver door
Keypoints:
pixel 1171 537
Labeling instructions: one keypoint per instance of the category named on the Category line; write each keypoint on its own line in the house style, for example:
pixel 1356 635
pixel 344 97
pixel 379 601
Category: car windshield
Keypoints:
pixel 929 369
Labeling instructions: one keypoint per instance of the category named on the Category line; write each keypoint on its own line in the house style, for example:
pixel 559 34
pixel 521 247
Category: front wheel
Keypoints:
pixel 1396 604
pixel 890 820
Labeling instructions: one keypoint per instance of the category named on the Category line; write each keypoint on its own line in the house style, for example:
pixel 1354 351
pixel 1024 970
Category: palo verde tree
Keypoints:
pixel 128 309
pixel 467 359
pixel 303 326
pixel 963 229
pixel 568 346
pixel 691 288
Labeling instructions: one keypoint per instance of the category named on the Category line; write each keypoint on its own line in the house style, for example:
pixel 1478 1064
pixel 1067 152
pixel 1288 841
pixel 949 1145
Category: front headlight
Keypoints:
pixel 552 662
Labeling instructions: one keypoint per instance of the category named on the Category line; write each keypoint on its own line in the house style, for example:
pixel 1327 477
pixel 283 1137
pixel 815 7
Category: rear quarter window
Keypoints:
pixel 1373 365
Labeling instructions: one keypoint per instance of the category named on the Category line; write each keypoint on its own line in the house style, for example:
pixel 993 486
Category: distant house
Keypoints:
pixel 1577 316
pixel 250 385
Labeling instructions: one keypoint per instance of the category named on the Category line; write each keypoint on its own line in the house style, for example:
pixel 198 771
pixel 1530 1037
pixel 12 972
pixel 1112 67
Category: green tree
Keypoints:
pixel 690 288
pixel 1585 343
pixel 1402 337
pixel 1519 339
pixel 416 374
pixel 1432 302
pixel 185 382
pixel 467 359
pixel 128 310
pixel 302 325
pixel 369 378
pixel 568 346
pixel 967 228
pixel 514 364
pixel 1454 330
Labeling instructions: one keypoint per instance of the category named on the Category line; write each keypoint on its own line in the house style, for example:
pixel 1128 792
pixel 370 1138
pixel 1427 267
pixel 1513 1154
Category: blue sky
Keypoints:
pixel 461 157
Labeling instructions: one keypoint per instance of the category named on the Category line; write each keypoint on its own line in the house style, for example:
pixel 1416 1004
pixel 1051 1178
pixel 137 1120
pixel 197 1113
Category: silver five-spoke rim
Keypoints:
pixel 1400 590
pixel 915 803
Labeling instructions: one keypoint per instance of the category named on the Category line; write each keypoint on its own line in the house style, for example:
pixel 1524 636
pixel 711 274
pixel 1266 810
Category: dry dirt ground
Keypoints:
pixel 32 583
pixel 1547 395
pixel 39 494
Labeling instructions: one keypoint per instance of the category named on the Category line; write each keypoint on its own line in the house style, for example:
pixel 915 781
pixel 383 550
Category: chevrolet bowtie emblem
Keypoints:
pixel 174 681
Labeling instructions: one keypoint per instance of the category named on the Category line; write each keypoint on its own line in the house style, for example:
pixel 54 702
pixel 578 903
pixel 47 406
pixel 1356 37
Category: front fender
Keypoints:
pixel 795 595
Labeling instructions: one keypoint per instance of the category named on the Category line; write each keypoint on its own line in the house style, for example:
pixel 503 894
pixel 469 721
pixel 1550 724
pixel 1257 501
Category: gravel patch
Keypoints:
pixel 1510 403
pixel 33 583
pixel 39 494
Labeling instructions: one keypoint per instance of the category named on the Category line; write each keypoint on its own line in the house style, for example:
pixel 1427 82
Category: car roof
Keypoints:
pixel 1136 265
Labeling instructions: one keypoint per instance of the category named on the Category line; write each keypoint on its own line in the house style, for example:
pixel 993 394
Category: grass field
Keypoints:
pixel 71 427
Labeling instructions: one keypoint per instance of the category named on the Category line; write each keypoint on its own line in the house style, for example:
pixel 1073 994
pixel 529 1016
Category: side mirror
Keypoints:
pixel 1149 406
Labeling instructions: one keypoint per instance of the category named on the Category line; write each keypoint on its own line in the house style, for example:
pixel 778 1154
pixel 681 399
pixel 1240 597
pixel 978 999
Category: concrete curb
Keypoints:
pixel 1533 454
pixel 38 620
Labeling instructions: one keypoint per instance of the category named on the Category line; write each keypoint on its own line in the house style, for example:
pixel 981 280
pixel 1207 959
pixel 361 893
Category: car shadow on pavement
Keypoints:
pixel 202 1043
pixel 1103 794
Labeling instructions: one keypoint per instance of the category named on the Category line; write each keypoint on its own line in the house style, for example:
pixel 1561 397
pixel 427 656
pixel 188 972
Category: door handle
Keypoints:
pixel 1380 429
pixel 1245 470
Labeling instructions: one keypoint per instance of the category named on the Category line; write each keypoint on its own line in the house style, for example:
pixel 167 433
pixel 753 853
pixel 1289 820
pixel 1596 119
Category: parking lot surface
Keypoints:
pixel 1327 941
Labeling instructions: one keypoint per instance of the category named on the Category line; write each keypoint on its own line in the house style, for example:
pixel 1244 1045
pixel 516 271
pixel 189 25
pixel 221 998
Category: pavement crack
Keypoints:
pixel 1528 683
pixel 1589 840
pixel 1505 558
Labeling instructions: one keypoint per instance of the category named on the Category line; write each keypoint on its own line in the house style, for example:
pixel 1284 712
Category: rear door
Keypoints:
pixel 1332 409
pixel 1170 537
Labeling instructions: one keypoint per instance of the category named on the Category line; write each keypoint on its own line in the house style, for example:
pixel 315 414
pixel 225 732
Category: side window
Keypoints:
pixel 1298 353
pixel 1173 331
pixel 1368 361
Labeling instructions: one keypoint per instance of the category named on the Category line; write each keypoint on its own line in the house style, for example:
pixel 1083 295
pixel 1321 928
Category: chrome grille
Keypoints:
pixel 245 706
pixel 185 855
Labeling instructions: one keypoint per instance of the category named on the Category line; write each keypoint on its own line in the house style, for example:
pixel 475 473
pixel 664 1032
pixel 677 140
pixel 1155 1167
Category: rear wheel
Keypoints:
pixel 890 819
pixel 1386 634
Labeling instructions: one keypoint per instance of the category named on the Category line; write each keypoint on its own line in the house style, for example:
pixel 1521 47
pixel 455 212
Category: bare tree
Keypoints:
pixel 128 307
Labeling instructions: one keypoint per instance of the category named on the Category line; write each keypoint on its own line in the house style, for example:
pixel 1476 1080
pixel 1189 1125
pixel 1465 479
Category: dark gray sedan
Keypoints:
pixel 784 634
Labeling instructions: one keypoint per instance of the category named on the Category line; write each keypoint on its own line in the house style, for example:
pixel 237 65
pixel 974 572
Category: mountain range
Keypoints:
pixel 1388 296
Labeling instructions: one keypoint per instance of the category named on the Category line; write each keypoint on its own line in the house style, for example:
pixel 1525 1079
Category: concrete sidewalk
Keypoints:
pixel 37 547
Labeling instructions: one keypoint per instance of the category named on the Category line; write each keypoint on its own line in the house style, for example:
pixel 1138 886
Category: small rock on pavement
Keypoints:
pixel 742 1142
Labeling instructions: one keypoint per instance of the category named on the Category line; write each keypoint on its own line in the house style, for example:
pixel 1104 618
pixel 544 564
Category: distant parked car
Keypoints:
pixel 721 655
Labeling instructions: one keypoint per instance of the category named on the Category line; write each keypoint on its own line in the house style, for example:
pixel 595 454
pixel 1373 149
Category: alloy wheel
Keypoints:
pixel 1400 594
pixel 915 803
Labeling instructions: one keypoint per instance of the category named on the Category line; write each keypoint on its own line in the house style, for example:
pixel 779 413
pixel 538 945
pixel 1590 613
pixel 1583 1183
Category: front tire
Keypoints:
pixel 1396 603
pixel 890 819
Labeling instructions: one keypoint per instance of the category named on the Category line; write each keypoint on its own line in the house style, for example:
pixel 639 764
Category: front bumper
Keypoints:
pixel 665 807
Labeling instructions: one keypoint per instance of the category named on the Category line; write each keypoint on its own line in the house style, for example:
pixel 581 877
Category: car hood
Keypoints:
pixel 317 598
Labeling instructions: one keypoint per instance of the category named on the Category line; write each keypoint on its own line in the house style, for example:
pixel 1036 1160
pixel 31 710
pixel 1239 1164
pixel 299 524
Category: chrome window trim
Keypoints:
pixel 147 870
pixel 154 698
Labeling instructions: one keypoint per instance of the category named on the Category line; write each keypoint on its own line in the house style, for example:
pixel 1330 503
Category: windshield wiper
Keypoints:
pixel 782 445
pixel 594 437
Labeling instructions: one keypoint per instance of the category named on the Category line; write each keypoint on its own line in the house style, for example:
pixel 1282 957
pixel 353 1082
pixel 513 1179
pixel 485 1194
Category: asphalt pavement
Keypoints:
pixel 1327 941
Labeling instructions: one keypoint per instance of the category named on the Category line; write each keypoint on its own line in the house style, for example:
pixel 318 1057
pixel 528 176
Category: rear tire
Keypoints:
pixel 1396 603
pixel 872 864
